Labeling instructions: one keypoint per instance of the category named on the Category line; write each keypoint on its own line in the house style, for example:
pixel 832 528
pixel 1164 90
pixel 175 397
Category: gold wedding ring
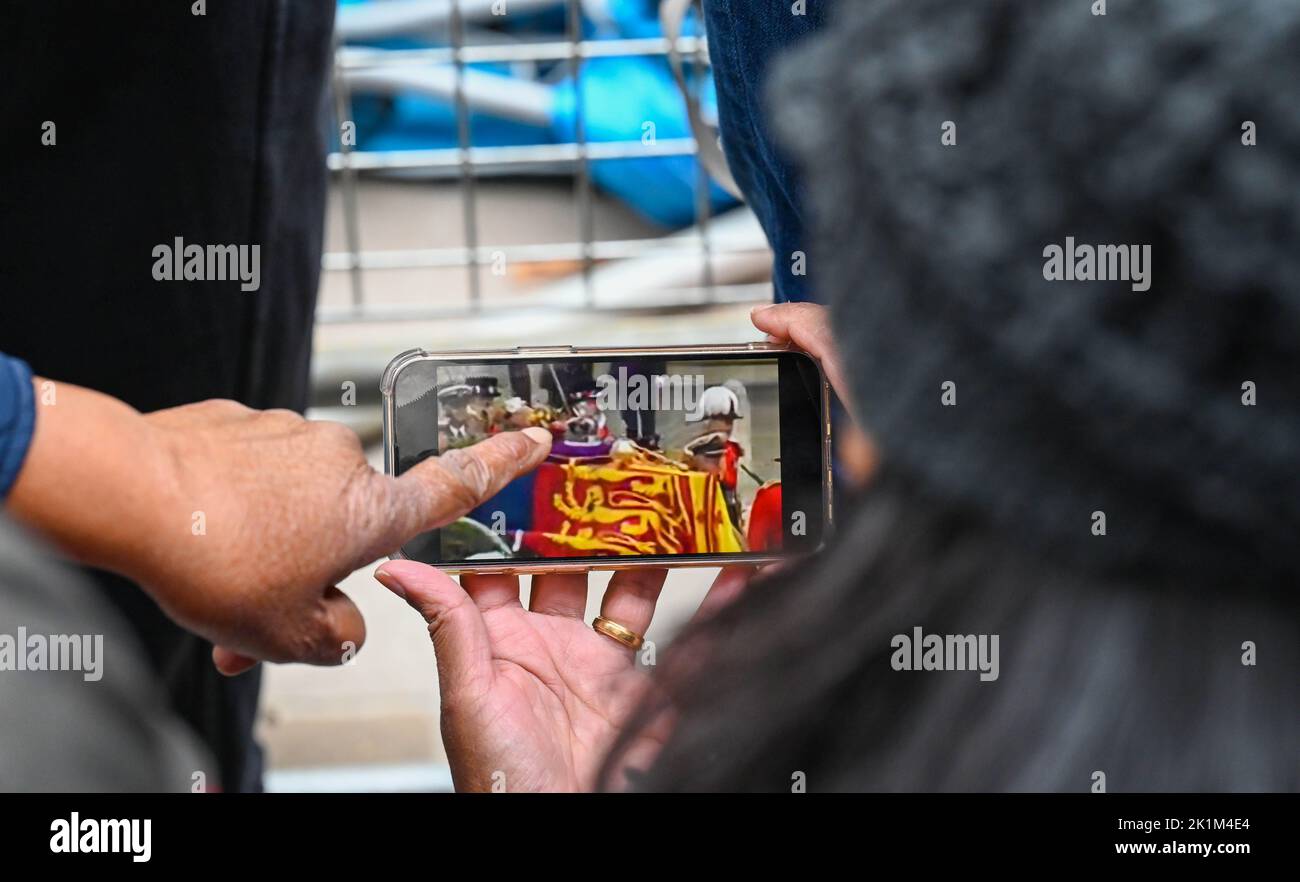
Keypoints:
pixel 629 638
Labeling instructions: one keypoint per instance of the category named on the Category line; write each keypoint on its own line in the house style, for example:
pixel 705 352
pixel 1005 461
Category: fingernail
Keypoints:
pixel 538 434
pixel 385 578
pixel 757 309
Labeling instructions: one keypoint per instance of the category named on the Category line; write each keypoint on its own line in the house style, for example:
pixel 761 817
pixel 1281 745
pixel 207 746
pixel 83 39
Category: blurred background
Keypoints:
pixel 503 172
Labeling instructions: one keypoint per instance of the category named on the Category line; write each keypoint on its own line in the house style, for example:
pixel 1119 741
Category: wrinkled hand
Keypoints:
pixel 262 512
pixel 807 326
pixel 533 699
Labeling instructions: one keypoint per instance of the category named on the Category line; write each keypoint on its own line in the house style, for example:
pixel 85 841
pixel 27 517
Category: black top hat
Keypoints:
pixel 484 387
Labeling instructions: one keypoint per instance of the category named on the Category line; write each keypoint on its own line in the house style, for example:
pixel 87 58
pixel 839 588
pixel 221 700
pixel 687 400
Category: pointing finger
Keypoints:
pixel 443 488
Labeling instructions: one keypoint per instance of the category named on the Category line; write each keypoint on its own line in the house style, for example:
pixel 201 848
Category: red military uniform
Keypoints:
pixel 766 519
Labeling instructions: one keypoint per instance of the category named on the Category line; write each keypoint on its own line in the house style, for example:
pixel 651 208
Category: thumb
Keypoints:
pixel 460 638
pixel 230 662
pixel 331 634
pixel 808 326
pixel 343 629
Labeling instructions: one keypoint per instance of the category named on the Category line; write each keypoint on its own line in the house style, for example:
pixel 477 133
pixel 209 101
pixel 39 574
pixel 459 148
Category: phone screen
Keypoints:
pixel 687 456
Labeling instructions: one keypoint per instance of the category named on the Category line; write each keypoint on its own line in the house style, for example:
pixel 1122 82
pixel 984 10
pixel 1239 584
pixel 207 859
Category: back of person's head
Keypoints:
pixel 1104 474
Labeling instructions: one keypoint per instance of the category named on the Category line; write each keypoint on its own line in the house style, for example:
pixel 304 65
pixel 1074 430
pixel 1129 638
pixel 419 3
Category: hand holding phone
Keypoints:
pixel 533 699
pixel 505 726
pixel 806 326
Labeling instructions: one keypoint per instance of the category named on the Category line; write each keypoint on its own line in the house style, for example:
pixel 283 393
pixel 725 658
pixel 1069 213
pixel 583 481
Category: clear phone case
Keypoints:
pixel 405 360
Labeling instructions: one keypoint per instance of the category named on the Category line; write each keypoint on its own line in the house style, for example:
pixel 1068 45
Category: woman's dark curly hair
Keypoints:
pixel 1122 656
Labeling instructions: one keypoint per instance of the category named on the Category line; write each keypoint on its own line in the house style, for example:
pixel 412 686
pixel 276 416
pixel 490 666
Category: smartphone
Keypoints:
pixel 660 456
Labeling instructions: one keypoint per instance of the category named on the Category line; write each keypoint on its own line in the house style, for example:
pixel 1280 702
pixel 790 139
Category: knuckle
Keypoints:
pixel 472 476
pixel 279 418
pixel 450 498
pixel 224 407
pixel 311 642
pixel 337 434
pixel 516 453
pixel 370 502
pixel 803 313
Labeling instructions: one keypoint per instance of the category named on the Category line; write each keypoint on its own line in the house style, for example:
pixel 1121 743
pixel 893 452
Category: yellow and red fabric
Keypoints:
pixel 628 505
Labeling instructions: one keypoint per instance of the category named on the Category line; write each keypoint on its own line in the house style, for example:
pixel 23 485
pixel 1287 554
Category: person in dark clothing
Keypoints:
pixel 238 523
pixel 167 124
pixel 144 136
pixel 745 38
